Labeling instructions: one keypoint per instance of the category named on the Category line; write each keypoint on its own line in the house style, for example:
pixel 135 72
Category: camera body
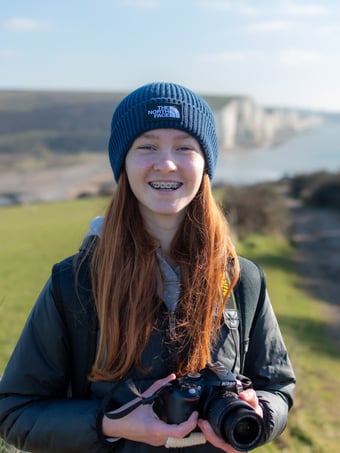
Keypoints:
pixel 213 392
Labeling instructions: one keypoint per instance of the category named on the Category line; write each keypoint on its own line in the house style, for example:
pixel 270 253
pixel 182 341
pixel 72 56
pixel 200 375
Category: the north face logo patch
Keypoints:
pixel 155 112
pixel 231 319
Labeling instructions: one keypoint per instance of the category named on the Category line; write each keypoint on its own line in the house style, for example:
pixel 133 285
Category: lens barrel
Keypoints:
pixel 236 422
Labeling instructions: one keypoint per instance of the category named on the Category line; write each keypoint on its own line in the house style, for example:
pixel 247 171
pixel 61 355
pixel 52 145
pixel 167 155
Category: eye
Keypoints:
pixel 188 149
pixel 146 147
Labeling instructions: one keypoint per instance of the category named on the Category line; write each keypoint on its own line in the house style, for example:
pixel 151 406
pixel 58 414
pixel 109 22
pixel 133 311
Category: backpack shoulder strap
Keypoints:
pixel 73 293
pixel 249 294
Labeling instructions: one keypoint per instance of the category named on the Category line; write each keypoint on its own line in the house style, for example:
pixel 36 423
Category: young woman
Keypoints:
pixel 156 292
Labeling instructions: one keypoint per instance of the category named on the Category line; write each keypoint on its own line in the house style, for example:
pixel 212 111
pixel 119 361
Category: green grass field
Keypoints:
pixel 34 237
pixel 314 424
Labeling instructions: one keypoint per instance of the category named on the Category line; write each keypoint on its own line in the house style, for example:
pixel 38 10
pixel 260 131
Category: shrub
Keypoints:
pixel 318 189
pixel 326 195
pixel 256 209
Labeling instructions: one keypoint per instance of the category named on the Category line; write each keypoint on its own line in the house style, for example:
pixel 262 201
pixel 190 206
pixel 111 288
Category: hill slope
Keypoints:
pixel 37 123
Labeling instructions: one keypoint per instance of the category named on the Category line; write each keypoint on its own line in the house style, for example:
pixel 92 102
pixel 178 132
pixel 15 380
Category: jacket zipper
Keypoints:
pixel 172 324
pixel 172 339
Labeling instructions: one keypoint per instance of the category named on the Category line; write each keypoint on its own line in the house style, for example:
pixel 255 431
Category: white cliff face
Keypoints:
pixel 242 124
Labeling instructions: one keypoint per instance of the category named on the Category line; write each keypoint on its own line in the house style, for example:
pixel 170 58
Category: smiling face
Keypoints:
pixel 164 168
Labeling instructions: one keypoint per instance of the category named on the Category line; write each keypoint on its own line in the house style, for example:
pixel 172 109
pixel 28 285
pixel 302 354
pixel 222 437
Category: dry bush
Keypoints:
pixel 256 209
pixel 320 189
pixel 302 184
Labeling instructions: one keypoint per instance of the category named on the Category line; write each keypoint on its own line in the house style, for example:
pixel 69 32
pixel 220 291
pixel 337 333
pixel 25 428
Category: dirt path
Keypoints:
pixel 316 234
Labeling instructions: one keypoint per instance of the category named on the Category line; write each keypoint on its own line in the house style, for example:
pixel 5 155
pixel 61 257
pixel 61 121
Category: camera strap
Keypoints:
pixel 195 438
pixel 131 405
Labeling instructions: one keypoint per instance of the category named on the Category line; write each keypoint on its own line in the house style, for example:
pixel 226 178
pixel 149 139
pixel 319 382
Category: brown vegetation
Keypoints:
pixel 265 208
pixel 321 189
pixel 259 209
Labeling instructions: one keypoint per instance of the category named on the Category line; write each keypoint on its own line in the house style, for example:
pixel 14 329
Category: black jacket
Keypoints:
pixel 47 403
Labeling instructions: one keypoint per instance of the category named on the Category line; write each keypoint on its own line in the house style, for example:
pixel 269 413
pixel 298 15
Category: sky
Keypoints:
pixel 278 52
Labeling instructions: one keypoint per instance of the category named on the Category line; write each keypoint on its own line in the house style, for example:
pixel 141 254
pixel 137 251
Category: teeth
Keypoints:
pixel 165 185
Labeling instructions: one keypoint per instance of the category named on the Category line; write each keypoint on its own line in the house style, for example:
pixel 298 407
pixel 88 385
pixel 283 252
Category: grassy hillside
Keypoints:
pixel 37 126
pixel 42 124
pixel 34 237
pixel 314 425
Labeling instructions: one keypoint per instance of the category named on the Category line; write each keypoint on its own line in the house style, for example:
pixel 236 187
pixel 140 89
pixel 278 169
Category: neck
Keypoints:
pixel 163 229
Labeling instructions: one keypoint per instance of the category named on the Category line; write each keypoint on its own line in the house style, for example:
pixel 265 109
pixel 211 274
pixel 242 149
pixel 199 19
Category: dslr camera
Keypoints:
pixel 213 392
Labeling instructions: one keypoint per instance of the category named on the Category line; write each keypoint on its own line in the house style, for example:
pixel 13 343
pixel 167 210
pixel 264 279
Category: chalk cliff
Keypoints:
pixel 242 124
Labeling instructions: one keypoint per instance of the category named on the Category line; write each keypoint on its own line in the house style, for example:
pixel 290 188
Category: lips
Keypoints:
pixel 164 185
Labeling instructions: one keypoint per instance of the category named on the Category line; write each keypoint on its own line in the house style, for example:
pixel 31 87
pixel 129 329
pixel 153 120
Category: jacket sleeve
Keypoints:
pixel 35 412
pixel 269 367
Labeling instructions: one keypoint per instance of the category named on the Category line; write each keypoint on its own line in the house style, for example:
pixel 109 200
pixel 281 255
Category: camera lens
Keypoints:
pixel 236 422
pixel 246 430
pixel 243 428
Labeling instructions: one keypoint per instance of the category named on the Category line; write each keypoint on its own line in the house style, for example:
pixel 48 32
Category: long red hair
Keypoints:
pixel 124 272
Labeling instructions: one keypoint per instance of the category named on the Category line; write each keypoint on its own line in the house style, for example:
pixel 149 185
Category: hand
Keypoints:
pixel 247 395
pixel 143 425
pixel 250 397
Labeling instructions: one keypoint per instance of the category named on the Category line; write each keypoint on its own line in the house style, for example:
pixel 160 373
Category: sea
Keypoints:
pixel 316 149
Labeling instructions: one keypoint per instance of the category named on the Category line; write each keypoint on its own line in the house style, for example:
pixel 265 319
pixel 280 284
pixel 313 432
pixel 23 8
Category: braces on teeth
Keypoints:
pixel 164 185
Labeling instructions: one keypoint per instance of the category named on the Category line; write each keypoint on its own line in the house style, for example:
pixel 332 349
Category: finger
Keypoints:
pixel 159 384
pixel 183 429
pixel 250 397
pixel 211 437
pixel 189 425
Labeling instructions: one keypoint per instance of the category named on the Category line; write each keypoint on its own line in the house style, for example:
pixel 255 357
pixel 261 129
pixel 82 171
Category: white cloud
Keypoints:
pixel 245 10
pixel 226 5
pixel 329 30
pixel 219 5
pixel 298 9
pixel 225 56
pixel 23 24
pixel 292 57
pixel 270 26
pixel 222 56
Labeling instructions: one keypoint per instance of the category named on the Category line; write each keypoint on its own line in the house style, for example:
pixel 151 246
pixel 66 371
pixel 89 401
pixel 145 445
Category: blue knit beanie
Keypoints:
pixel 157 106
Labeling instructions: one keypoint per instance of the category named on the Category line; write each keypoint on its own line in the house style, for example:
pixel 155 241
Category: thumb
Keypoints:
pixel 159 384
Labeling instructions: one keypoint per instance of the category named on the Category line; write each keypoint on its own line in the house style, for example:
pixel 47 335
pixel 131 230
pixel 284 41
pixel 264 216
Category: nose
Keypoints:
pixel 164 162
